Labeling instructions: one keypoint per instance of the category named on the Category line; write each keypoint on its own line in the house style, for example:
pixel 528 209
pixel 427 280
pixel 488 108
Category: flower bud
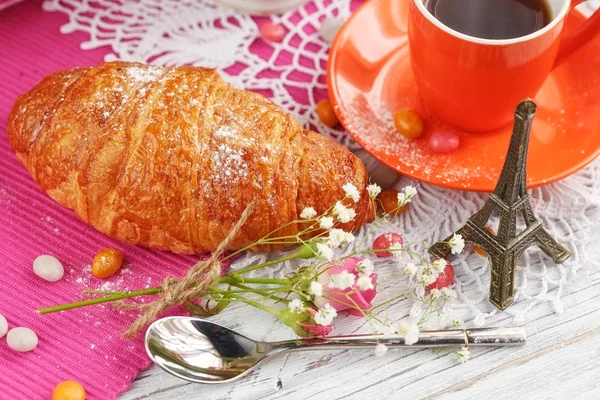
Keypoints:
pixel 306 251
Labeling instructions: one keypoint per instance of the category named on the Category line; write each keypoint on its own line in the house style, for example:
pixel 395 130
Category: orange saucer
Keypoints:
pixel 370 77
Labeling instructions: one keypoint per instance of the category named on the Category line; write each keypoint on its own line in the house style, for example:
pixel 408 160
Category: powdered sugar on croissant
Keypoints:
pixel 169 158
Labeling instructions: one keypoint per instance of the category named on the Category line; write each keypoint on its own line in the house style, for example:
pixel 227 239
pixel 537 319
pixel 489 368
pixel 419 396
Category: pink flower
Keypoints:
pixel 312 327
pixel 304 323
pixel 340 299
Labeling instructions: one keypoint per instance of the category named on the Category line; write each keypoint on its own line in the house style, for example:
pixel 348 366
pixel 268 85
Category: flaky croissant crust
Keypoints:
pixel 169 158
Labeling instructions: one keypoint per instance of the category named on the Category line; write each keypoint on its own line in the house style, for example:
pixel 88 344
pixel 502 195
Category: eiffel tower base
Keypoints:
pixel 503 262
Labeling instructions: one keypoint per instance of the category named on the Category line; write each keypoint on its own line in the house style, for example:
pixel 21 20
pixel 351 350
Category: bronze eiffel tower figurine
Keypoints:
pixel 510 199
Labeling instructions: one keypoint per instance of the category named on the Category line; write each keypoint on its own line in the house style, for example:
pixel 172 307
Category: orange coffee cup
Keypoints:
pixel 475 84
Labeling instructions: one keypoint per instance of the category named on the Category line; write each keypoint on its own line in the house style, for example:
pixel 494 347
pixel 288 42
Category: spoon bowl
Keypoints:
pixel 200 351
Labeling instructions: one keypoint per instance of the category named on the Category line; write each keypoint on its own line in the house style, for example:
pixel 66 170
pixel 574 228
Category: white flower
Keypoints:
pixel 426 275
pixel 380 350
pixel 406 195
pixel 373 190
pixel 315 289
pixel 463 354
pixel 449 293
pixel 338 237
pixel 435 294
pixel 479 320
pixel 443 319
pixel 409 269
pixel 308 213
pixel 364 283
pixel 416 309
pixel 349 237
pixel 296 306
pixel 419 291
pixel 387 328
pixel 457 244
pixel 351 191
pixel 410 332
pixel 410 191
pixel 401 199
pixel 343 213
pixel 365 267
pixel 396 248
pixel 325 315
pixel 326 222
pixel 324 251
pixel 426 280
pixel 440 264
pixel 342 281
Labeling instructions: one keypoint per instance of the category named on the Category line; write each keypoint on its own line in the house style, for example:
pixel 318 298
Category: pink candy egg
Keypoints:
pixel 272 32
pixel 444 141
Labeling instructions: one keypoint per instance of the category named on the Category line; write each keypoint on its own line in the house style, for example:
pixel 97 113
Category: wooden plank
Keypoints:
pixel 416 373
pixel 558 344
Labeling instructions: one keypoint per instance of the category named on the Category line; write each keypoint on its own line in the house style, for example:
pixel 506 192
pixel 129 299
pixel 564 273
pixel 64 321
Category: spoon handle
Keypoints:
pixel 443 338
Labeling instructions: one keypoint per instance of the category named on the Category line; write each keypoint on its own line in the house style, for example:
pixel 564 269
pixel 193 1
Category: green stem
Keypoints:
pixel 102 292
pixel 269 293
pixel 264 281
pixel 423 319
pixel 266 264
pixel 404 294
pixel 259 242
pixel 257 305
pixel 99 300
pixel 264 292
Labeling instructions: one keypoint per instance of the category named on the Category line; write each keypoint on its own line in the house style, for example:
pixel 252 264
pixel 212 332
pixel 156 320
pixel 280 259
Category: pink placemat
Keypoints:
pixel 85 345
pixel 8 3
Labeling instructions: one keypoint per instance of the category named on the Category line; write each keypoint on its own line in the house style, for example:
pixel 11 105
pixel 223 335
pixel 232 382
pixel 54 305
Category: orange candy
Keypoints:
pixel 68 390
pixel 107 263
pixel 478 249
pixel 326 113
pixel 408 123
pixel 389 202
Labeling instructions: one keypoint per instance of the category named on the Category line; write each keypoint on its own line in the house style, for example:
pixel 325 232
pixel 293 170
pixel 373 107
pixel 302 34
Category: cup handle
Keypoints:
pixel 579 37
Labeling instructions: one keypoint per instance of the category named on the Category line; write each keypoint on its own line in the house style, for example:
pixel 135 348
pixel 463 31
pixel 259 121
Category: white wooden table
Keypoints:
pixel 561 360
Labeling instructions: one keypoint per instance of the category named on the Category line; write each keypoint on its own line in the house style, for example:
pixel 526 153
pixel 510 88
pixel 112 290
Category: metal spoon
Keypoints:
pixel 201 351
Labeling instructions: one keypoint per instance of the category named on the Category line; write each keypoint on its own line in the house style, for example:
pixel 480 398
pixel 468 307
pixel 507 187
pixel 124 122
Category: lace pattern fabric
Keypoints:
pixel 292 73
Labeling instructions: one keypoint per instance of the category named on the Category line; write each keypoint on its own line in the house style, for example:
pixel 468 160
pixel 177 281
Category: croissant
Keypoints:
pixel 169 158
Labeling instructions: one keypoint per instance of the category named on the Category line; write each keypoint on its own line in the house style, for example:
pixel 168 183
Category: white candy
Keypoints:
pixel 329 28
pixel 48 268
pixel 21 339
pixel 3 326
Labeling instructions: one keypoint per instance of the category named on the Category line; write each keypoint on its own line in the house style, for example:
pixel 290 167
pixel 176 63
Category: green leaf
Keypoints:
pixel 196 309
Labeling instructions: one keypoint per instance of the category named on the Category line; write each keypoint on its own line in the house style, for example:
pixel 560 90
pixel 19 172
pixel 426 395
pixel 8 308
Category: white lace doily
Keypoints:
pixel 292 73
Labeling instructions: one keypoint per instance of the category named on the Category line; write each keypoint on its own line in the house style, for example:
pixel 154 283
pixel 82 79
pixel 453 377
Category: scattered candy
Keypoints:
pixel 48 268
pixel 107 263
pixel 385 241
pixel 272 32
pixel 21 339
pixel 326 113
pixel 444 279
pixel 408 123
pixel 444 142
pixel 68 390
pixel 389 202
pixel 478 249
pixel 329 28
pixel 3 326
